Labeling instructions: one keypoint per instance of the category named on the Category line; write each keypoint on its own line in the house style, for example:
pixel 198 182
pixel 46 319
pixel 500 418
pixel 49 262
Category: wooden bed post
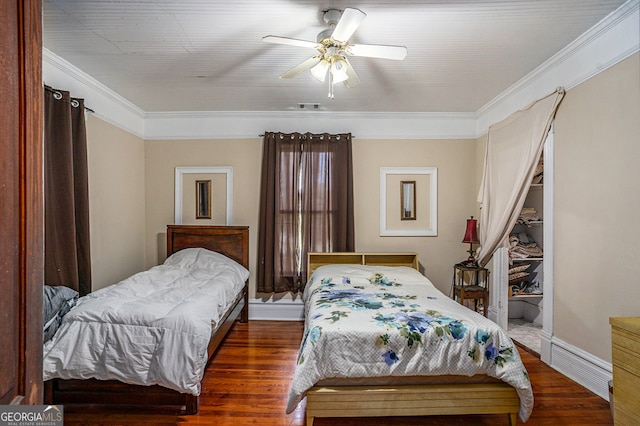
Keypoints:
pixel 192 404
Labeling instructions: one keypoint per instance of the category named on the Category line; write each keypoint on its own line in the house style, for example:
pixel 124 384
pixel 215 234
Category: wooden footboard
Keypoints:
pixel 412 400
pixel 93 395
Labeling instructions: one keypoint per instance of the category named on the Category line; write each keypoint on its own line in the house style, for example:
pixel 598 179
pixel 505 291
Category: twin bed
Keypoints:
pixel 379 340
pixel 143 344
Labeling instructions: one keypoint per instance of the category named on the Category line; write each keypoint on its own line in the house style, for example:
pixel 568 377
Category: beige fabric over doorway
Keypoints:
pixel 514 147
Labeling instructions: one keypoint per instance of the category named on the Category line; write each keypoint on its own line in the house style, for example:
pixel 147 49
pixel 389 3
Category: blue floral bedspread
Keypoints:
pixel 377 321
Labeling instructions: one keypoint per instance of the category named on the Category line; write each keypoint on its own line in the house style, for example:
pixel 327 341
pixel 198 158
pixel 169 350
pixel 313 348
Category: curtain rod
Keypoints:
pixel 312 134
pixel 58 95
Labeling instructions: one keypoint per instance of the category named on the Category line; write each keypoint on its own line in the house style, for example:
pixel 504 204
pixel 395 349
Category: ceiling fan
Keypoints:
pixel 333 48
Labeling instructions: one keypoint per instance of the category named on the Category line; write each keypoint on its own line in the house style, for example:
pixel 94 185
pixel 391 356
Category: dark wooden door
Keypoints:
pixel 21 220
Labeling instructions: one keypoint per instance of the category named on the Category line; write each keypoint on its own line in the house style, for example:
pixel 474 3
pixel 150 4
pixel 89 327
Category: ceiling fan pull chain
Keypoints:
pixel 330 86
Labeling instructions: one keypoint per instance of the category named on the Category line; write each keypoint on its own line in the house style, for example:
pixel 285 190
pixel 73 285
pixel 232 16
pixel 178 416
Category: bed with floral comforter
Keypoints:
pixel 378 321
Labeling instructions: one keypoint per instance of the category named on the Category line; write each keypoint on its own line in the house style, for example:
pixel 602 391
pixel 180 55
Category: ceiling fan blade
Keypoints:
pixel 349 22
pixel 353 80
pixel 305 65
pixel 289 41
pixel 397 53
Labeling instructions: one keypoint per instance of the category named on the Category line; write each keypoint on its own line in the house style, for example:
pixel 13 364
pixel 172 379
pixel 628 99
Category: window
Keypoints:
pixel 306 205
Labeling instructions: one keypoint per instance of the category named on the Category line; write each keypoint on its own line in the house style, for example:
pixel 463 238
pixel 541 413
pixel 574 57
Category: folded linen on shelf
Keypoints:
pixel 521 246
pixel 528 215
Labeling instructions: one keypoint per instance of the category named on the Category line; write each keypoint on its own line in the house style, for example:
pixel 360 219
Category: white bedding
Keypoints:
pixel 151 328
pixel 377 321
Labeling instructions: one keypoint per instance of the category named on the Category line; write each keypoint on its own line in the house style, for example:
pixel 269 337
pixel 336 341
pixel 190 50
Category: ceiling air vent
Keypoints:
pixel 308 106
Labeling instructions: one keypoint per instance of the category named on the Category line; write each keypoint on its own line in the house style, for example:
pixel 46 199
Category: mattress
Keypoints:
pixel 152 328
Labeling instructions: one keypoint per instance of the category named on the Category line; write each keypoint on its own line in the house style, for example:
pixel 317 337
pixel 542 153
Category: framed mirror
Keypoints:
pixel 203 199
pixel 408 200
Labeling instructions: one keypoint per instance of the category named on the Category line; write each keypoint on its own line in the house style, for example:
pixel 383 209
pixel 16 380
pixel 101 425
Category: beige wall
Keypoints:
pixel 116 202
pixel 161 159
pixel 455 160
pixel 596 205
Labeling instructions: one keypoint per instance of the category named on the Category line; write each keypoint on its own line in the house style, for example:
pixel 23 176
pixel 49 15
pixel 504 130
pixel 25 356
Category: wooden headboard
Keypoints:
pixel 315 260
pixel 232 241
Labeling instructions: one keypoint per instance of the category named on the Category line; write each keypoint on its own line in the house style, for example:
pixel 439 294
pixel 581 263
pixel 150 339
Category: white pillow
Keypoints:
pixel 362 274
pixel 200 258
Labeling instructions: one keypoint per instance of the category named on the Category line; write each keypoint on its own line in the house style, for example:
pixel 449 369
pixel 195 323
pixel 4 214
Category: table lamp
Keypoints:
pixel 471 237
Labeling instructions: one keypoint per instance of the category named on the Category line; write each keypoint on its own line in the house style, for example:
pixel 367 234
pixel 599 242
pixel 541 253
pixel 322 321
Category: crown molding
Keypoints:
pixel 104 102
pixel 243 125
pixel 614 38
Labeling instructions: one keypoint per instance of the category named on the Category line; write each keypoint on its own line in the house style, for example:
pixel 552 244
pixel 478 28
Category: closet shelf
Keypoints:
pixel 527 259
pixel 525 296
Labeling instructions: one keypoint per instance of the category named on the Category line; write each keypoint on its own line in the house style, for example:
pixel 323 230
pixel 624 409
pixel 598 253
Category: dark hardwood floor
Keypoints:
pixel 248 384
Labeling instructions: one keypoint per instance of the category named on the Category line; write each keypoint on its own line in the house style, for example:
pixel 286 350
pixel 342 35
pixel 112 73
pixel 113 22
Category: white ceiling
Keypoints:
pixel 206 55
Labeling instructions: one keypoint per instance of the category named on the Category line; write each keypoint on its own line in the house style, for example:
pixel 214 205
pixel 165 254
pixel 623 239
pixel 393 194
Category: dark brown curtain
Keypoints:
pixel 66 192
pixel 306 205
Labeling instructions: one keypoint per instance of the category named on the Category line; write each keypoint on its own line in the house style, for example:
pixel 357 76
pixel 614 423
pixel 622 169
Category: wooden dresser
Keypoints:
pixel 625 337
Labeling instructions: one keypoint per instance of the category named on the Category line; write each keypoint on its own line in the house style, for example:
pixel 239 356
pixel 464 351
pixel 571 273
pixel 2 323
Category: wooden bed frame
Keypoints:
pixel 102 395
pixel 403 400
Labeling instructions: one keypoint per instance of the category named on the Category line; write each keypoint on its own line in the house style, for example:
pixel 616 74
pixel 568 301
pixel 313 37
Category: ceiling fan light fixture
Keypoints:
pixel 319 71
pixel 339 70
pixel 333 48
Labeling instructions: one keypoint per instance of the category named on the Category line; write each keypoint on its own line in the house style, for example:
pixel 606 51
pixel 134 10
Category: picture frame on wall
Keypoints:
pixel 214 199
pixel 413 191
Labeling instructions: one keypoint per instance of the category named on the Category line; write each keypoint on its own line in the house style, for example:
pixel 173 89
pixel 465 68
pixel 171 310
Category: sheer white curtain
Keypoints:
pixel 514 146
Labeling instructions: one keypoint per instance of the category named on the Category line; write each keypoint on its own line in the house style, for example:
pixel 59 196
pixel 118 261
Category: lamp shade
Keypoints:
pixel 471 234
pixel 319 71
pixel 339 70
